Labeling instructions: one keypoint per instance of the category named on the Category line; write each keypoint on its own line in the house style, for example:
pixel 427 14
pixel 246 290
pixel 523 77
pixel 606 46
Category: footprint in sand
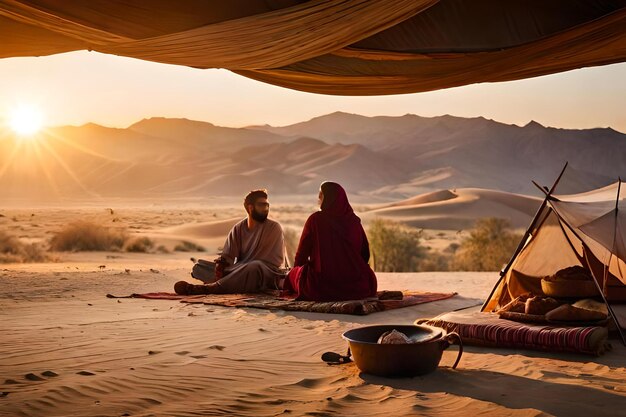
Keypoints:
pixel 198 356
pixel 86 373
pixel 49 373
pixel 10 382
pixel 153 352
pixel 33 377
pixel 182 352
pixel 4 393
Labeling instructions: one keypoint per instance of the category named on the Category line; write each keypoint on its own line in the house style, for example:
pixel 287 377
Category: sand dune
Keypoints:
pixel 435 196
pixel 459 209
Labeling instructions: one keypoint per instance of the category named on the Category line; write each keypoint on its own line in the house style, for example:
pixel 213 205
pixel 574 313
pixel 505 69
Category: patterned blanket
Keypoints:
pixel 487 329
pixel 385 300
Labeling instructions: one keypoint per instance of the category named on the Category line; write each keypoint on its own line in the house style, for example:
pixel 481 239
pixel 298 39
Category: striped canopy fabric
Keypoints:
pixel 342 47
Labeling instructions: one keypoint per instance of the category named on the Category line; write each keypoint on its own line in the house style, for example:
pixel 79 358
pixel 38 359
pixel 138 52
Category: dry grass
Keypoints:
pixel 187 246
pixel 13 250
pixel 140 245
pixel 87 236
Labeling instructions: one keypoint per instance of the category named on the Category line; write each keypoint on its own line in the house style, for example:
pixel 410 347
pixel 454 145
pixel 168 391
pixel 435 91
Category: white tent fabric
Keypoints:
pixel 566 233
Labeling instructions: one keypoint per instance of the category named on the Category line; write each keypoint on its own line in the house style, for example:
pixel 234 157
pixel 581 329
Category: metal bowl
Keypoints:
pixel 420 357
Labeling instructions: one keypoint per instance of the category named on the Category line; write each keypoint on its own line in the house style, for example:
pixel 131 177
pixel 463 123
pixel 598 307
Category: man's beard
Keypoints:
pixel 259 217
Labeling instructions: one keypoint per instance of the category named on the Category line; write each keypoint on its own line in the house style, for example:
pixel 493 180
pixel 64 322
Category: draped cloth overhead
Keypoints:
pixel 344 47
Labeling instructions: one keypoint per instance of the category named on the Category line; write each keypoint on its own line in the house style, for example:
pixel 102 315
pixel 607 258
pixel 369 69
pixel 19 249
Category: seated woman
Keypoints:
pixel 331 260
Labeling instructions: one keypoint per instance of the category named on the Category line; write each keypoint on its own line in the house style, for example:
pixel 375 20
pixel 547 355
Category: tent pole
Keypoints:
pixel 522 242
pixel 607 266
pixel 608 306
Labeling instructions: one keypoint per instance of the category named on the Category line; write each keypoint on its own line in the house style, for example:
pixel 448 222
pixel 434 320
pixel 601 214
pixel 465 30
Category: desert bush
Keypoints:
pixel 489 246
pixel 14 250
pixel 162 249
pixel 187 246
pixel 395 247
pixel 140 244
pixel 435 261
pixel 87 236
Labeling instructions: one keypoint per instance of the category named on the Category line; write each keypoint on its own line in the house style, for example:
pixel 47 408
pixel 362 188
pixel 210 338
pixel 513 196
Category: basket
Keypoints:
pixel 569 289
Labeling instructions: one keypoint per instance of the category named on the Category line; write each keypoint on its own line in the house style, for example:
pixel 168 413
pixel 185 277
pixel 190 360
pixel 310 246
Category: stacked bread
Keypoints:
pixel 529 308
pixel 572 273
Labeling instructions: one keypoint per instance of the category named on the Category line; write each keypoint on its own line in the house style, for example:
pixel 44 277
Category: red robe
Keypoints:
pixel 331 260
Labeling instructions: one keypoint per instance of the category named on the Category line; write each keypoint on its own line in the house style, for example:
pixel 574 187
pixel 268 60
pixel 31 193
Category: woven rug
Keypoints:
pixel 386 300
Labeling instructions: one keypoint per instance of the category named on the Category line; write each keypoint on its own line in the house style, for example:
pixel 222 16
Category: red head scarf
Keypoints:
pixel 335 200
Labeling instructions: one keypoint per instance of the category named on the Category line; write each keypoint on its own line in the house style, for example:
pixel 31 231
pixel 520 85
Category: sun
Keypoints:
pixel 25 120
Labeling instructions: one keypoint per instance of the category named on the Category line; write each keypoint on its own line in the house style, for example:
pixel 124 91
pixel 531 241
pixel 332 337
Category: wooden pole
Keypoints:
pixel 522 242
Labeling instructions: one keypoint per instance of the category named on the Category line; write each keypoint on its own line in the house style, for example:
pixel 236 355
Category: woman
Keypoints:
pixel 331 260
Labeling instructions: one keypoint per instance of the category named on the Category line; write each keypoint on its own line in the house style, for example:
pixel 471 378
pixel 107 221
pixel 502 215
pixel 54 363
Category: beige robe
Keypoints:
pixel 255 257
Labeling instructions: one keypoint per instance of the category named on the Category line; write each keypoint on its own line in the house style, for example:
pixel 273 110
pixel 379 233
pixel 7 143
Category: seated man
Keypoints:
pixel 252 257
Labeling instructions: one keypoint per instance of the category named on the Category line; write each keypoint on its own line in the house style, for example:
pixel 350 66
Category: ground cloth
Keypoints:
pixel 385 300
pixel 487 329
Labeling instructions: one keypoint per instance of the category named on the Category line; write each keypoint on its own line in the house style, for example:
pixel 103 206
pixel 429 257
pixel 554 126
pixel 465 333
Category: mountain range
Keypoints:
pixel 379 158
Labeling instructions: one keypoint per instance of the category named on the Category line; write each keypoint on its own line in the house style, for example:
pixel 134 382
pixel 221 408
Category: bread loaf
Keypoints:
pixel 393 337
pixel 572 273
pixel 567 312
pixel 590 304
pixel 540 305
pixel 517 305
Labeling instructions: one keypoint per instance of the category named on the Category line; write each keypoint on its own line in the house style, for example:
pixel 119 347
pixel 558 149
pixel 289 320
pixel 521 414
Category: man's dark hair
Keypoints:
pixel 253 196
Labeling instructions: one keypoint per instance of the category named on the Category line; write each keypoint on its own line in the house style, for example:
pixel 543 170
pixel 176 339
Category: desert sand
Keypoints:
pixel 67 350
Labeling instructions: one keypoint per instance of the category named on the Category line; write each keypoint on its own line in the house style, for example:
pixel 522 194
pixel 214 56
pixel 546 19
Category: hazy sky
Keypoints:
pixel 80 87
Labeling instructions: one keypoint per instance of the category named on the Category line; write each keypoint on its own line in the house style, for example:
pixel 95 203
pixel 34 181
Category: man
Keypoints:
pixel 251 259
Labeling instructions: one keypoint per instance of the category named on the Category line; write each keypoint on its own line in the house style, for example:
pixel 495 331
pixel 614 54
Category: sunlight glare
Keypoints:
pixel 26 120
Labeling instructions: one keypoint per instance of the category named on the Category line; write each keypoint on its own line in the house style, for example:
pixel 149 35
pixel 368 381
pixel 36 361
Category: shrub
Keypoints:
pixel 435 261
pixel 186 246
pixel 87 236
pixel 14 250
pixel 162 249
pixel 489 246
pixel 141 244
pixel 395 247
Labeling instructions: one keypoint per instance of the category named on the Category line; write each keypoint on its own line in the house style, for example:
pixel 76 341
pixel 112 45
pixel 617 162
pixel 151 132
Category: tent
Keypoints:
pixel 342 47
pixel 586 229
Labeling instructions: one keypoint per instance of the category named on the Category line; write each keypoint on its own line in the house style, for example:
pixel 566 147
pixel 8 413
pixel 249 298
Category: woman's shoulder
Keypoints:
pixel 314 216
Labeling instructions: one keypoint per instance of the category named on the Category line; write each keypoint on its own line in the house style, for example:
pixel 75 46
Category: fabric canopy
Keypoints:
pixel 343 47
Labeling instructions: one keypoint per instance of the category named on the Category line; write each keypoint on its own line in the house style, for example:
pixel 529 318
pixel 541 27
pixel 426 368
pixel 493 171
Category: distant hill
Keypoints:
pixel 376 158
pixel 202 136
pixel 449 152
